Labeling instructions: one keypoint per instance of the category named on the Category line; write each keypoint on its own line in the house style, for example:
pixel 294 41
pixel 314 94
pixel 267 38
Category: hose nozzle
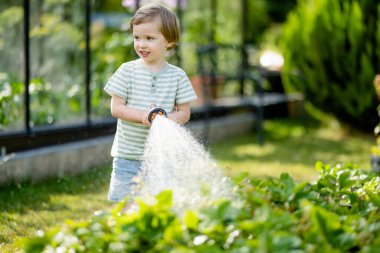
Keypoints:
pixel 154 112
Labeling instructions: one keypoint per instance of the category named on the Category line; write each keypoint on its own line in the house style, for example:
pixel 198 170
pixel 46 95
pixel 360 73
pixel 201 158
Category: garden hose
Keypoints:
pixel 154 112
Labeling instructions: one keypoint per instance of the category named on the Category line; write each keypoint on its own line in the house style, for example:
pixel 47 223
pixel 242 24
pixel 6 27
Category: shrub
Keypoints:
pixel 334 44
pixel 11 95
pixel 339 212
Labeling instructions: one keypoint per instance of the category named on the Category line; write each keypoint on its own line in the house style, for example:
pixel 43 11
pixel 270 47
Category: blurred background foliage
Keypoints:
pixel 333 44
pixel 339 41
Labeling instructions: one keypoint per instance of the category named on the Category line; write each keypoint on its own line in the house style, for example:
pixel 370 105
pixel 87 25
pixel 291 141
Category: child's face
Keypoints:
pixel 149 43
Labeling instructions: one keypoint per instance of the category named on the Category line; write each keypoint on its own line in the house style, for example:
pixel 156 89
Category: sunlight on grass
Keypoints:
pixel 297 171
pixel 265 161
pixel 294 148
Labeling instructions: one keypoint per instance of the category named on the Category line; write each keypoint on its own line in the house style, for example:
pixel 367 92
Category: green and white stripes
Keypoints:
pixel 141 89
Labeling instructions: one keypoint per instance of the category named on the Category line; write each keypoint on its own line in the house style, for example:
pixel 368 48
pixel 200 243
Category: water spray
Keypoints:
pixel 174 160
pixel 156 111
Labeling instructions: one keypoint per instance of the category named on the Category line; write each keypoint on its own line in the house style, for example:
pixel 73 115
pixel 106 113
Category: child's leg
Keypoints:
pixel 122 176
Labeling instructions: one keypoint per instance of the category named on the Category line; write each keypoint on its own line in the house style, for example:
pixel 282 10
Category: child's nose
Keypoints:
pixel 142 43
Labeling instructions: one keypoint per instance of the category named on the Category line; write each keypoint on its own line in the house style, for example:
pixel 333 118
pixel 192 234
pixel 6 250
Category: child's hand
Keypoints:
pixel 145 120
pixel 173 118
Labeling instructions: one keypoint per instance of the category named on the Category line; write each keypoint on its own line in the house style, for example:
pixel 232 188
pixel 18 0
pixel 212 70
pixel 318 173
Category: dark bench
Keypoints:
pixel 228 82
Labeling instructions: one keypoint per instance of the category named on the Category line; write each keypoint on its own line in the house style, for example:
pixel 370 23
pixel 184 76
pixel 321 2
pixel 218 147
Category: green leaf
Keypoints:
pixel 191 220
pixel 345 180
pixel 327 222
pixel 374 198
pixel 165 198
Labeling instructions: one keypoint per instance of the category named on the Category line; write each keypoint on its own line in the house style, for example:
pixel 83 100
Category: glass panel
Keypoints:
pixel 227 26
pixel 11 66
pixel 111 45
pixel 57 45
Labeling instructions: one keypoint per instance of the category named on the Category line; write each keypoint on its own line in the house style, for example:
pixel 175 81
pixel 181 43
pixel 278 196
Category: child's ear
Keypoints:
pixel 170 45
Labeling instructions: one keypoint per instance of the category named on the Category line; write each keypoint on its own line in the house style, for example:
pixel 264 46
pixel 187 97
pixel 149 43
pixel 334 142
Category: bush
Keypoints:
pixel 339 212
pixel 334 44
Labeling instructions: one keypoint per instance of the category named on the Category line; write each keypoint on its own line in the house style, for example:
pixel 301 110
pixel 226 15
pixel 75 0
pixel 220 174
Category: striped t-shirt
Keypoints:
pixel 141 89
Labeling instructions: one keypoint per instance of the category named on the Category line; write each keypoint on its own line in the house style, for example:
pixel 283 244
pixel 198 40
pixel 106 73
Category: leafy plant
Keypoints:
pixel 334 44
pixel 375 150
pixel 11 97
pixel 339 212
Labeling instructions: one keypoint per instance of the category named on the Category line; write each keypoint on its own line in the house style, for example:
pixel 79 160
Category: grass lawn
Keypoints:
pixel 27 207
pixel 293 148
pixel 290 147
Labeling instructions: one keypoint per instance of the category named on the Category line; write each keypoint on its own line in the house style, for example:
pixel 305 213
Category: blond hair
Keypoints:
pixel 169 22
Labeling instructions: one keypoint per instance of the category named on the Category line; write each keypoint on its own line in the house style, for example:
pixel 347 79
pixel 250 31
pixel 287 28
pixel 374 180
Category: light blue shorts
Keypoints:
pixel 122 178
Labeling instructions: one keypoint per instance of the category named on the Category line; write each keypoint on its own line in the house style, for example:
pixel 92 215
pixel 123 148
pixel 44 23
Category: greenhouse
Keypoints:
pixel 56 62
pixel 279 152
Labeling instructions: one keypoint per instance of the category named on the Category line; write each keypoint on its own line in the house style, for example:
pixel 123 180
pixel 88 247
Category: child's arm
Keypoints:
pixel 120 110
pixel 182 114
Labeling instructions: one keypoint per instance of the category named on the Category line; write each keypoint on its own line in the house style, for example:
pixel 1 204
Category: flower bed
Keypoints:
pixel 339 212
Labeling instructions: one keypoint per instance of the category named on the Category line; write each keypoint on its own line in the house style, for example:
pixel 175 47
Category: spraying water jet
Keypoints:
pixel 174 160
